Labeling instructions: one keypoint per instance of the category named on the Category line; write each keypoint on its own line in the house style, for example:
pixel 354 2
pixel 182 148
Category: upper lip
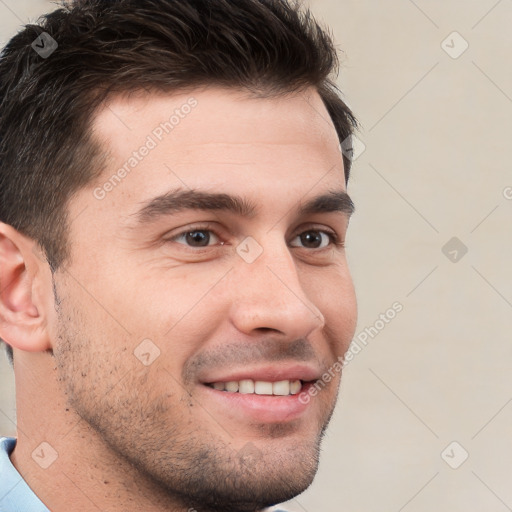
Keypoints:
pixel 273 373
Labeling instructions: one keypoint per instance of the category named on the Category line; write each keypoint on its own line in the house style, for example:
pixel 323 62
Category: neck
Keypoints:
pixel 64 460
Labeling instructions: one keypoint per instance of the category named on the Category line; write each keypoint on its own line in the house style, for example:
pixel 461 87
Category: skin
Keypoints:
pixel 131 436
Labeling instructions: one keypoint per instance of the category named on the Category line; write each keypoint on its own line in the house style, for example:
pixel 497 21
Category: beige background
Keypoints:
pixel 438 133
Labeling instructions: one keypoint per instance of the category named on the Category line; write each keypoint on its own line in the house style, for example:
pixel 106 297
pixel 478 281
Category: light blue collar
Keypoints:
pixel 15 494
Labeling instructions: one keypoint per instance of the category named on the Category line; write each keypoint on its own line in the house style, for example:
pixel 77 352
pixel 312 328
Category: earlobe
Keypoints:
pixel 22 314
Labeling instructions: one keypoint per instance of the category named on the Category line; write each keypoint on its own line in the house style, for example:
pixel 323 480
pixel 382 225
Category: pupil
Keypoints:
pixel 198 238
pixel 311 239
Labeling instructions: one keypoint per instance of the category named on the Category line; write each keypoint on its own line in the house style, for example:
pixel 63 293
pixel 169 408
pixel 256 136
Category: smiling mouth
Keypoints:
pixel 259 387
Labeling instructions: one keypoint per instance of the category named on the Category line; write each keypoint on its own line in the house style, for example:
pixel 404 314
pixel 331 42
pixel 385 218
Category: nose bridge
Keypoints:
pixel 269 294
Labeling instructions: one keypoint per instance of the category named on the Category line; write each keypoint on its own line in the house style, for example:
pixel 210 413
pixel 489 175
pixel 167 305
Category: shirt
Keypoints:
pixel 15 494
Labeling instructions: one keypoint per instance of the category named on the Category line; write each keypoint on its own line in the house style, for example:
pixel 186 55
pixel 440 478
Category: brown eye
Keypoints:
pixel 196 238
pixel 311 239
pixel 314 239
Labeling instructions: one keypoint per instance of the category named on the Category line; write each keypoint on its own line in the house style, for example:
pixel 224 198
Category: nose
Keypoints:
pixel 268 295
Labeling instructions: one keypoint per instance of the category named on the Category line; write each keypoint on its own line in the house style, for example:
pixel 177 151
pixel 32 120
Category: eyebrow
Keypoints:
pixel 332 201
pixel 179 200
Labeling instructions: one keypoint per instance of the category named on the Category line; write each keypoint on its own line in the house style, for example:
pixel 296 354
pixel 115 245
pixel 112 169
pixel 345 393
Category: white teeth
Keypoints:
pixel 295 386
pixel 246 387
pixel 281 388
pixel 232 386
pixel 260 387
pixel 263 388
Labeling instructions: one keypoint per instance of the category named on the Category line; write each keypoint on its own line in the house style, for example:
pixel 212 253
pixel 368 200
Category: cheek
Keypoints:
pixel 161 304
pixel 334 295
pixel 181 305
pixel 101 370
pixel 178 311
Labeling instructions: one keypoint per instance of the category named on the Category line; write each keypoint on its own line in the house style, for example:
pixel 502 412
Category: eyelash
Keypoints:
pixel 333 237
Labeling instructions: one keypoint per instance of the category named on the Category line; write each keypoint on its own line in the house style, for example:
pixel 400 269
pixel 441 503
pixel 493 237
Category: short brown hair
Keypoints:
pixel 47 153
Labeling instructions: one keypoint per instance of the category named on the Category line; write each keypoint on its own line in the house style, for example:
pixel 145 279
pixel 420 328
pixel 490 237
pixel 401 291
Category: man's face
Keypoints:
pixel 170 294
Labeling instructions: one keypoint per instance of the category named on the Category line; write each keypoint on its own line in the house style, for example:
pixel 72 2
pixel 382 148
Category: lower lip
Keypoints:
pixel 260 408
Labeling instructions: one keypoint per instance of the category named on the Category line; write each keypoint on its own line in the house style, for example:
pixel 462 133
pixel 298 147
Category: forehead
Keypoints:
pixel 218 139
pixel 214 115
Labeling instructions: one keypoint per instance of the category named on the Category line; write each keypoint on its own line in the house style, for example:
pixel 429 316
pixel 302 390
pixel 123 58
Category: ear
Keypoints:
pixel 24 276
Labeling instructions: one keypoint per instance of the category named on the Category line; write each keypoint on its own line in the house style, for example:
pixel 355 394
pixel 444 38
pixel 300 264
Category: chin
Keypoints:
pixel 248 491
pixel 251 478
